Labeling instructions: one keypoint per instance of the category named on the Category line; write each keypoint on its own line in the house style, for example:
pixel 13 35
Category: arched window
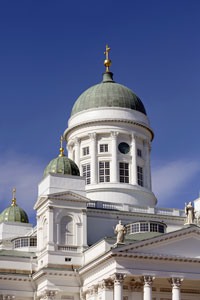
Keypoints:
pixel 67 231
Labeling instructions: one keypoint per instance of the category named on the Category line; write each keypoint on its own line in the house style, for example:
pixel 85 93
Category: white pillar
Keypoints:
pixel 147 292
pixel 50 229
pixel 147 165
pixel 93 152
pixel 106 290
pixel 134 160
pixel 58 233
pixel 77 151
pixel 118 286
pixel 114 166
pixel 70 151
pixel 176 288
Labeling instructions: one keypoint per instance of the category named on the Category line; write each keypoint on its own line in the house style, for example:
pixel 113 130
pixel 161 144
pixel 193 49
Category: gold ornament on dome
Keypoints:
pixel 107 61
pixel 61 147
pixel 14 199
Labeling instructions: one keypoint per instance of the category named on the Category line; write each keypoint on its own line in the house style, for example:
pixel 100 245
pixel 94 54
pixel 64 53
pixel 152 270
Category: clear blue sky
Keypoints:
pixel 51 51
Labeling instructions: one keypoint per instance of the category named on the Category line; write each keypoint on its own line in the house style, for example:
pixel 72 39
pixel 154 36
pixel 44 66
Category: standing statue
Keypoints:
pixel 189 212
pixel 120 230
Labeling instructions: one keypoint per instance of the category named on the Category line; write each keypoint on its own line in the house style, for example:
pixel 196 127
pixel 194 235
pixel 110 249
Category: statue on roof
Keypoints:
pixel 189 212
pixel 120 230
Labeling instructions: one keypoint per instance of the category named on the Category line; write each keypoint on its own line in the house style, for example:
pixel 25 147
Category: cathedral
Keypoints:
pixel 100 233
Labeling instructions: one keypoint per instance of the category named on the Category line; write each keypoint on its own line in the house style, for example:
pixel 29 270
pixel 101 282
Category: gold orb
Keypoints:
pixel 107 62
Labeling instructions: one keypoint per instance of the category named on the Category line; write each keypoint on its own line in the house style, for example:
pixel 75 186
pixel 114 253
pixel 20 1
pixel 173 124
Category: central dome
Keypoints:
pixel 108 94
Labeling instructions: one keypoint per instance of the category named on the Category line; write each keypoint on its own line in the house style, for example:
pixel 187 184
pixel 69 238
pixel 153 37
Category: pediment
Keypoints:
pixel 63 196
pixel 181 243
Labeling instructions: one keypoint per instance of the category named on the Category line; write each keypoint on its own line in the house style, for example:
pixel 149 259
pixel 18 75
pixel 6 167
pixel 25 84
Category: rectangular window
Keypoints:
pixel 140 176
pixel 103 148
pixel 33 242
pixel 161 228
pixel 139 152
pixel 135 228
pixel 24 242
pixel 144 227
pixel 86 173
pixel 16 243
pixel 153 227
pixel 104 171
pixel 124 172
pixel 86 151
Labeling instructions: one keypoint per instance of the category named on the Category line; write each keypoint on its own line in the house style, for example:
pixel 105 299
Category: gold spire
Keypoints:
pixel 107 61
pixel 61 147
pixel 14 199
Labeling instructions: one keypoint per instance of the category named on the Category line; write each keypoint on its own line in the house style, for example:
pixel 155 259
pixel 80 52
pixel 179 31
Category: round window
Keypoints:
pixel 124 148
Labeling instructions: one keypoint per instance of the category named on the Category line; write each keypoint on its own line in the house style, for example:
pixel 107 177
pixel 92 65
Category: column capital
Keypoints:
pixel 118 278
pixel 134 136
pixel 77 141
pixel 106 284
pixel 114 134
pixel 92 136
pixel 175 281
pixel 48 295
pixel 148 280
pixel 93 289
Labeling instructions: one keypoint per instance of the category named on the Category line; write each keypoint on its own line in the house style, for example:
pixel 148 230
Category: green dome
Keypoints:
pixel 14 214
pixel 62 165
pixel 108 94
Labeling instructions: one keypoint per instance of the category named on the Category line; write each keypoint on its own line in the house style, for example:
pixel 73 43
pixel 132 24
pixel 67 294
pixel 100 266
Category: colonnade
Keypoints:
pixel 74 152
pixel 112 288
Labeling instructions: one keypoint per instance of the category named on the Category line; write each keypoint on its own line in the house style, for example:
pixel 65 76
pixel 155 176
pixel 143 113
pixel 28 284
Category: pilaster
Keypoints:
pixel 93 151
pixel 147 164
pixel 134 159
pixel 114 166
pixel 77 151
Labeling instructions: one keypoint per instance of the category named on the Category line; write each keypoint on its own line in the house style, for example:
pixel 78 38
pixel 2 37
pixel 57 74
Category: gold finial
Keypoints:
pixel 61 147
pixel 107 61
pixel 14 199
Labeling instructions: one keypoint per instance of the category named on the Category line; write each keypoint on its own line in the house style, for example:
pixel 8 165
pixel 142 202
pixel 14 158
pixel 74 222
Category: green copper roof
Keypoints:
pixel 62 165
pixel 108 94
pixel 14 214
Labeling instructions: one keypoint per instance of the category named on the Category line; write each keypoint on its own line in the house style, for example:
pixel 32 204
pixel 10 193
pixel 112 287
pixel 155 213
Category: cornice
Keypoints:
pixel 86 123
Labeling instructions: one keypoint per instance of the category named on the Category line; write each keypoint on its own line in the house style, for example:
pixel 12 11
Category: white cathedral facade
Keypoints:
pixel 77 250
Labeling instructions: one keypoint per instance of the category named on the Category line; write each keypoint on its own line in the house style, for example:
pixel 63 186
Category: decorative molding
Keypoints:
pixel 48 295
pixel 114 134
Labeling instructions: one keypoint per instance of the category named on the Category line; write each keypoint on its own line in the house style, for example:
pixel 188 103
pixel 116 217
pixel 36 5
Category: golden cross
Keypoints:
pixel 61 147
pixel 14 199
pixel 106 52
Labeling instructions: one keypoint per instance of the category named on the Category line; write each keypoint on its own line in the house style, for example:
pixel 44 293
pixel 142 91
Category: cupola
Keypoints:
pixel 14 213
pixel 62 164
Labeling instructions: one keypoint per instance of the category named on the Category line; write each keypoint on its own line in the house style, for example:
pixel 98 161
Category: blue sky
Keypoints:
pixel 51 51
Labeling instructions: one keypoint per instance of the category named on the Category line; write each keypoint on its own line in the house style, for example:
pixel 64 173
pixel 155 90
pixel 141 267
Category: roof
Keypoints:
pixel 108 94
pixel 14 213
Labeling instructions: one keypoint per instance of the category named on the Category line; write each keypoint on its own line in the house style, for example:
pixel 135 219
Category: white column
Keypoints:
pixel 118 286
pixel 147 292
pixel 147 165
pixel 93 152
pixel 106 290
pixel 50 229
pixel 58 233
pixel 134 160
pixel 114 166
pixel 70 151
pixel 176 288
pixel 77 151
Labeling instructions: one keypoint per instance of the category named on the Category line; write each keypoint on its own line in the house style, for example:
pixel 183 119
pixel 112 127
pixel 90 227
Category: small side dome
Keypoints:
pixel 62 164
pixel 14 213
